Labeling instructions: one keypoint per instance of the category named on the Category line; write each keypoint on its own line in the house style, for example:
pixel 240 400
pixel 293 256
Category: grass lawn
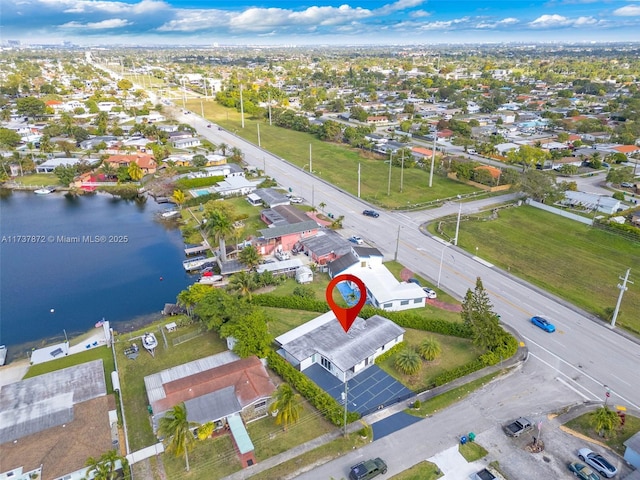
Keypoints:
pixel 38 179
pixel 211 458
pixel 333 162
pixel 584 425
pixel 472 451
pixel 319 286
pixel 270 439
pixel 102 353
pixel 132 372
pixel 285 319
pixel 450 397
pixel 567 258
pixel 455 352
pixel 420 471
pixel 315 457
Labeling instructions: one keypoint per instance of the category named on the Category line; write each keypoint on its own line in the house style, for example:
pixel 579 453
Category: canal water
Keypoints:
pixel 67 262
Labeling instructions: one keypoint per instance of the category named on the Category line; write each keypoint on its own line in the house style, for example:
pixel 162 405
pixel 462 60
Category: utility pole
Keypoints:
pixel 623 288
pixel 389 184
pixel 201 109
pixel 269 96
pixel 402 171
pixel 258 126
pixel 241 107
pixel 455 240
pixel 433 157
pixel 346 403
pixel 395 256
pixel 310 160
pixel 358 180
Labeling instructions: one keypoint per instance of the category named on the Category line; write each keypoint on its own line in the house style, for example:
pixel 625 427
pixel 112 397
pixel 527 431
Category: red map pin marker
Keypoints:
pixel 346 316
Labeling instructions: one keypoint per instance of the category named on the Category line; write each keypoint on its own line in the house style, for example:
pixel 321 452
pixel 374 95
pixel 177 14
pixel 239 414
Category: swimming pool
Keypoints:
pixel 200 192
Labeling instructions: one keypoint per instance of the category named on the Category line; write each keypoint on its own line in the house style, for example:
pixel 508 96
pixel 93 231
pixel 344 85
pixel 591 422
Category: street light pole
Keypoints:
pixel 623 288
pixel 346 403
pixel 455 240
pixel 441 259
pixel 433 157
pixel 389 184
pixel 402 171
pixel 258 126
pixel 358 180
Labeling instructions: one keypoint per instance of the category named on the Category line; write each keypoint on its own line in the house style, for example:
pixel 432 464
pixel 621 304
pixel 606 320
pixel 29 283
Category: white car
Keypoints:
pixel 430 293
pixel 296 200
pixel 597 462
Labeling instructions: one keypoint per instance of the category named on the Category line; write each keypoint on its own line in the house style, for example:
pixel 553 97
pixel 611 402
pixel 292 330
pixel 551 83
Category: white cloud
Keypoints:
pixel 505 22
pixel 106 6
pixel 112 23
pixel 628 11
pixel 554 20
pixel 419 14
pixel 397 6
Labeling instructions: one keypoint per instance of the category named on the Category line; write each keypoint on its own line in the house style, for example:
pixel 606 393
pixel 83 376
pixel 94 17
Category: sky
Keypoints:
pixel 345 22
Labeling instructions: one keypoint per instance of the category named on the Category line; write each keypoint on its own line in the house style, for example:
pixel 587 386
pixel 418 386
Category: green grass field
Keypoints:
pixel 420 471
pixel 566 258
pixel 615 441
pixel 334 163
pixel 455 352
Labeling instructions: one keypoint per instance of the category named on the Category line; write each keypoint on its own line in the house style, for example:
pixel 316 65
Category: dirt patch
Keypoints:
pixel 405 274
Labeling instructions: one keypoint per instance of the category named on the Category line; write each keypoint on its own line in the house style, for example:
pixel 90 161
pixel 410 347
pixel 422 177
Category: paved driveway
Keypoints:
pixel 368 391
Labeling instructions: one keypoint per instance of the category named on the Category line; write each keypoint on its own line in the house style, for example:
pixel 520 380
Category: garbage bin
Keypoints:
pixel 472 436
pixel 149 409
pixel 463 440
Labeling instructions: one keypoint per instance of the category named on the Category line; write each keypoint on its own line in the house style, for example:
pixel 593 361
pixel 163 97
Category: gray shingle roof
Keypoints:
pixel 213 406
pixel 275 232
pixel 325 242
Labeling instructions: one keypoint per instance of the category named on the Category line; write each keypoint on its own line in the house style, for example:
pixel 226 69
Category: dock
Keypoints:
pixel 196 249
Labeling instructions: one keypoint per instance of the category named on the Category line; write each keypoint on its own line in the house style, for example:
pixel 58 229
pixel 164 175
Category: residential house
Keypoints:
pixel 46 423
pixel 559 162
pixel 591 201
pixel 220 388
pixel 377 120
pixel 186 142
pixel 325 247
pixel 285 236
pixel 90 143
pixel 235 186
pixel 146 162
pixel 323 341
pixel 504 148
pixel 272 198
pixel 383 290
pixel 632 450
pixel 50 165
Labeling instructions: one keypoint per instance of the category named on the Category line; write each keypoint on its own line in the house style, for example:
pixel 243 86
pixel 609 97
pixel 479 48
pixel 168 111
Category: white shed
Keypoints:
pixel 304 275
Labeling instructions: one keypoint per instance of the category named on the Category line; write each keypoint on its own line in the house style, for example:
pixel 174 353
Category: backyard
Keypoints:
pixel 332 162
pixel 569 259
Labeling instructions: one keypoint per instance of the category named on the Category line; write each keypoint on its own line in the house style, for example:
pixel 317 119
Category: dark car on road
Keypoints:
pixel 371 213
pixel 597 462
pixel 544 324
pixel 368 469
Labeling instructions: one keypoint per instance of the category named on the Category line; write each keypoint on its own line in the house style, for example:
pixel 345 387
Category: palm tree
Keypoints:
pixel 108 170
pixel 408 361
pixel 250 257
pixel 221 227
pixel 178 197
pixel 242 282
pixel 287 405
pixel 322 206
pixel 430 349
pixel 223 148
pixel 604 420
pixel 177 428
pixel 104 468
pixel 205 430
pixel 135 172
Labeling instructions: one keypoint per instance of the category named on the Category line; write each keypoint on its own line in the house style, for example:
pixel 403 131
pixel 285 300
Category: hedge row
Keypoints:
pixel 322 401
pixel 292 302
pixel 186 183
pixel 461 371
pixel 390 352
pixel 411 320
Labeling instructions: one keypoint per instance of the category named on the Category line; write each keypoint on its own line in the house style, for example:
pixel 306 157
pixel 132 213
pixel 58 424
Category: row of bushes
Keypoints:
pixel 461 371
pixel 294 302
pixel 187 183
pixel 411 320
pixel 322 401
pixel 390 352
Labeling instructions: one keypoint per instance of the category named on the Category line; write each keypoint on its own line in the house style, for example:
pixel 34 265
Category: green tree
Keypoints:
pixel 251 334
pixel 105 467
pixel 206 430
pixel 190 297
pixel 477 312
pixel 250 257
pixel 619 175
pixel 176 428
pixel 430 349
pixel 8 138
pixel 220 225
pixel 199 160
pixel 408 361
pixel 604 420
pixel 539 186
pixel 30 107
pixel 303 291
pixel 287 405
pixel 135 172
pixel 65 174
pixel 243 283
pixel 218 307
pixel 178 197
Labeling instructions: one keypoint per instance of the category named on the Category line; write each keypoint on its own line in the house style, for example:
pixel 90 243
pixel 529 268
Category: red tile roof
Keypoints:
pixel 248 377
pixel 142 159
pixel 626 148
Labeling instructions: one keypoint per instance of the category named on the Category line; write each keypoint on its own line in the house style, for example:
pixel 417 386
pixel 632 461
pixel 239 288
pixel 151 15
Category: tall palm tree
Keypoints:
pixel 221 227
pixel 104 468
pixel 287 405
pixel 178 197
pixel 242 282
pixel 135 172
pixel 250 257
pixel 177 429
pixel 223 148
pixel 604 420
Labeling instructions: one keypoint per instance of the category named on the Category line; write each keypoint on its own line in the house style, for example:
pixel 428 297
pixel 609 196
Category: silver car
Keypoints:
pixel 597 462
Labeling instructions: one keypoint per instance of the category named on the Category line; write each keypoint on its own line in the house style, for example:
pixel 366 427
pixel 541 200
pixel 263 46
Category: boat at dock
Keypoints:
pixel 197 263
pixel 3 354
pixel 149 342
pixel 210 279
pixel 169 214
pixel 45 190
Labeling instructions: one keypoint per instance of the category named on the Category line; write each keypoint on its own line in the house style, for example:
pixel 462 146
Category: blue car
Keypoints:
pixel 543 323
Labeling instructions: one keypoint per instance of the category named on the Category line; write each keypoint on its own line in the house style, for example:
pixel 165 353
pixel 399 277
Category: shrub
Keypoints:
pixel 430 349
pixel 292 302
pixel 411 320
pixel 408 361
pixel 392 351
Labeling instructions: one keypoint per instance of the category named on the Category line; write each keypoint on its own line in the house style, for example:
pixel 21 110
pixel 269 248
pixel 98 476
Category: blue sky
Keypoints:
pixel 237 22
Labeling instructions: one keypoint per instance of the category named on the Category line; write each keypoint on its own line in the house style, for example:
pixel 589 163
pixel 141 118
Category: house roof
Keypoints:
pixel 345 350
pixel 213 406
pixel 279 231
pixel 142 159
pixel 383 286
pixel 325 242
pixel 633 443
pixel 626 148
pixel 271 197
pixel 493 171
pixel 292 264
pixel 342 263
pixel 247 376
pixel 39 403
pixel 291 214
pixel 423 151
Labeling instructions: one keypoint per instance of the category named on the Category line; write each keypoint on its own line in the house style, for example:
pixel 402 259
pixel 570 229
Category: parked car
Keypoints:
pixel 582 471
pixel 415 280
pixel 356 239
pixel 368 469
pixel 280 255
pixel 295 200
pixel 371 213
pixel 208 125
pixel 430 293
pixel 544 324
pixel 626 185
pixel 518 427
pixel 597 462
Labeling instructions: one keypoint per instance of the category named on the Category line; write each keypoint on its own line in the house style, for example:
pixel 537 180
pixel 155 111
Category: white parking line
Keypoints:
pixel 568 377
pixel 574 389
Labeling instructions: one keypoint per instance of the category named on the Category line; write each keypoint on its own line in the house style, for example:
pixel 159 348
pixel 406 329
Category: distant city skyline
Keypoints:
pixel 363 22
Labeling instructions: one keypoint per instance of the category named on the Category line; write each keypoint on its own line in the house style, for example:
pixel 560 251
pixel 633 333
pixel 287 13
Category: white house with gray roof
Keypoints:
pixel 324 341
